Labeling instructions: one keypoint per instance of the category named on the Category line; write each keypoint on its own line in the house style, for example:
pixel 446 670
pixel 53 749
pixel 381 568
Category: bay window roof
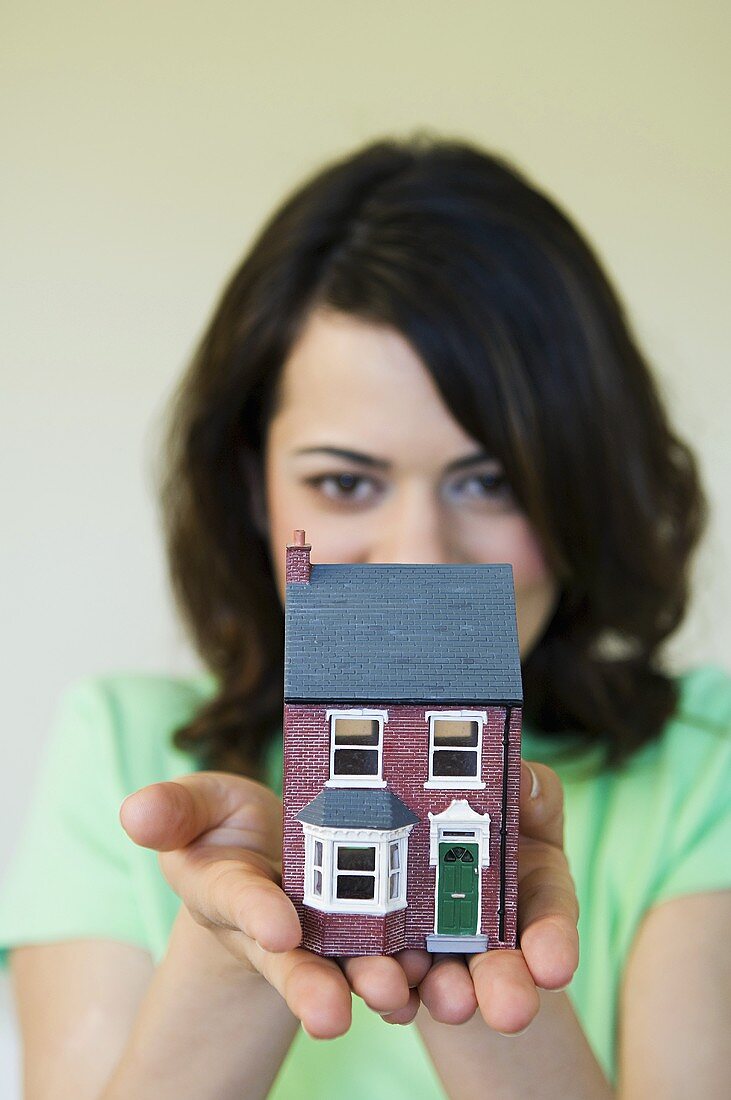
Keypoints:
pixel 367 808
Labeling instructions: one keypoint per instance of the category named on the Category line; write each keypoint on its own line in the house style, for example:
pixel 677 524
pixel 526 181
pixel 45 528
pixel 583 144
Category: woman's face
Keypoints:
pixel 363 454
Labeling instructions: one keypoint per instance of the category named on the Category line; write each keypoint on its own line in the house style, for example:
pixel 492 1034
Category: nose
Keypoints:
pixel 413 532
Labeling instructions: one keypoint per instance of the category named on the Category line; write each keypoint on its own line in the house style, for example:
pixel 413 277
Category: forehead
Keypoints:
pixel 364 381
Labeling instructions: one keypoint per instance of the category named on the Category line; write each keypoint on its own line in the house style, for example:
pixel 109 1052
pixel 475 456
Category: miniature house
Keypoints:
pixel 402 718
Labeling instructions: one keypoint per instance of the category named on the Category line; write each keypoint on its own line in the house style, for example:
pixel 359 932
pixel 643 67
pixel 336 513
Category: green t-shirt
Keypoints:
pixel 659 828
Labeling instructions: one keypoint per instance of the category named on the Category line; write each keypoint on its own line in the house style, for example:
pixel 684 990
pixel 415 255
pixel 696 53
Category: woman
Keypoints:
pixel 420 359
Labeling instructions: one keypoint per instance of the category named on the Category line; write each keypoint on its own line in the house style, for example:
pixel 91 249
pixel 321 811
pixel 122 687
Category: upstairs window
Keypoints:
pixel 455 749
pixel 356 748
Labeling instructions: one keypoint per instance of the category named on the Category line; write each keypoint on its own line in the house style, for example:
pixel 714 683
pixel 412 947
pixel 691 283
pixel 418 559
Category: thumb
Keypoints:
pixel 541 804
pixel 165 816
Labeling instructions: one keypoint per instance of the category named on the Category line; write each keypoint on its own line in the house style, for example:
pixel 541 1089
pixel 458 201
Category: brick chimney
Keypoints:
pixel 298 560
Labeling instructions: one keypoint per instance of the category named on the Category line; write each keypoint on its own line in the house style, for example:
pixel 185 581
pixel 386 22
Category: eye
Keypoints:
pixel 344 487
pixel 488 486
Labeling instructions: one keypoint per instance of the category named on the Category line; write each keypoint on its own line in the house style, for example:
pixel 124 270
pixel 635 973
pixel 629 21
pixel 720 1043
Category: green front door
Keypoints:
pixel 458 889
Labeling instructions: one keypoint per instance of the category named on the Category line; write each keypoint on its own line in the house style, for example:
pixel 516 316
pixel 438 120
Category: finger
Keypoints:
pixel 406 1014
pixel 551 950
pixel 547 915
pixel 239 894
pixel 379 980
pixel 541 804
pixel 170 815
pixel 314 988
pixel 415 964
pixel 505 991
pixel 447 991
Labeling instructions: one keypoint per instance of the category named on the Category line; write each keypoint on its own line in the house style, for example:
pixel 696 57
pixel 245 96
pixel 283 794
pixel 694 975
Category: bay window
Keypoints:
pixel 355 870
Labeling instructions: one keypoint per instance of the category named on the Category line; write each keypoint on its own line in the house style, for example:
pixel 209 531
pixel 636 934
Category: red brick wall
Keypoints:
pixel 354 934
pixel 405 769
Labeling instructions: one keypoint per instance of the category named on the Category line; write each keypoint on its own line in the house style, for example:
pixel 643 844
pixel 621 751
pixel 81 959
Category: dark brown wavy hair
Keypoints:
pixel 509 309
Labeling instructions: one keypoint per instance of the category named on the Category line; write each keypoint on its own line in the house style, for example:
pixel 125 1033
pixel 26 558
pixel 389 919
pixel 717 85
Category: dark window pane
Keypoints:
pixel 450 762
pixel 317 884
pixel 460 734
pixel 356 859
pixel 356 731
pixel 395 864
pixel 356 762
pixel 318 853
pixel 356 886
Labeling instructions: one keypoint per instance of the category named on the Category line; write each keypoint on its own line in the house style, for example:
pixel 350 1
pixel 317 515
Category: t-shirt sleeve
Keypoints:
pixel 71 877
pixel 702 858
pixel 698 850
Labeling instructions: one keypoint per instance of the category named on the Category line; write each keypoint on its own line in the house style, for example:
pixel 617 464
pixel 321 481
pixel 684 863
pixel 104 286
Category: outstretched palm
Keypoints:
pixel 219 839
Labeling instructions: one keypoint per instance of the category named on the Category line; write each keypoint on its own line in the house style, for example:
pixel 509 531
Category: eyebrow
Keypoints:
pixel 380 464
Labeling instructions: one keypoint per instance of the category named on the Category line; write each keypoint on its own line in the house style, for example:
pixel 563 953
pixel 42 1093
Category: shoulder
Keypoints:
pixel 680 786
pixel 695 744
pixel 135 699
pixel 705 700
pixel 110 736
pixel 668 805
pixel 697 734
pixel 127 720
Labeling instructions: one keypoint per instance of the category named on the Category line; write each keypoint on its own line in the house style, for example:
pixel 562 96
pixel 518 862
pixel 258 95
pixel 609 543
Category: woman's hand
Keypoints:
pixel 504 984
pixel 219 839
pixel 219 836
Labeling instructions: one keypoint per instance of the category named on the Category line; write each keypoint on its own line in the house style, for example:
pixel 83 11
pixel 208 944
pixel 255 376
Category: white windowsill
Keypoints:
pixel 349 907
pixel 454 785
pixel 354 781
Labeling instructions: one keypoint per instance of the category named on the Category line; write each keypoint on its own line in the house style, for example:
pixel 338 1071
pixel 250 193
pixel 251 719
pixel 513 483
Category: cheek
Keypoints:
pixel 527 558
pixel 536 594
pixel 536 591
pixel 509 538
pixel 279 512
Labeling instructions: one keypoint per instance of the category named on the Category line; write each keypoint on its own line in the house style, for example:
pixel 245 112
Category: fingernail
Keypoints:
pixel 513 1034
pixel 535 787
pixel 386 1017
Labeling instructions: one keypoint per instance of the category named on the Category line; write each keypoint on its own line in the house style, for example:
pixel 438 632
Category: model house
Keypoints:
pixel 402 717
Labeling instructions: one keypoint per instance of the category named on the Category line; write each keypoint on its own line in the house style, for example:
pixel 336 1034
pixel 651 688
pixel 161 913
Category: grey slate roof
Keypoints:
pixel 347 808
pixel 402 633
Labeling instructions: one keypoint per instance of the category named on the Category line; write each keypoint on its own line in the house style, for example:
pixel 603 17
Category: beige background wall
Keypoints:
pixel 144 142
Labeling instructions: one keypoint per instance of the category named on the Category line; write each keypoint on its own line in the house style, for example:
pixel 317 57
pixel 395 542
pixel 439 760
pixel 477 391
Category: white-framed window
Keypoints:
pixel 317 854
pixel 394 870
pixel 455 749
pixel 356 748
pixel 355 872
pixel 360 870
